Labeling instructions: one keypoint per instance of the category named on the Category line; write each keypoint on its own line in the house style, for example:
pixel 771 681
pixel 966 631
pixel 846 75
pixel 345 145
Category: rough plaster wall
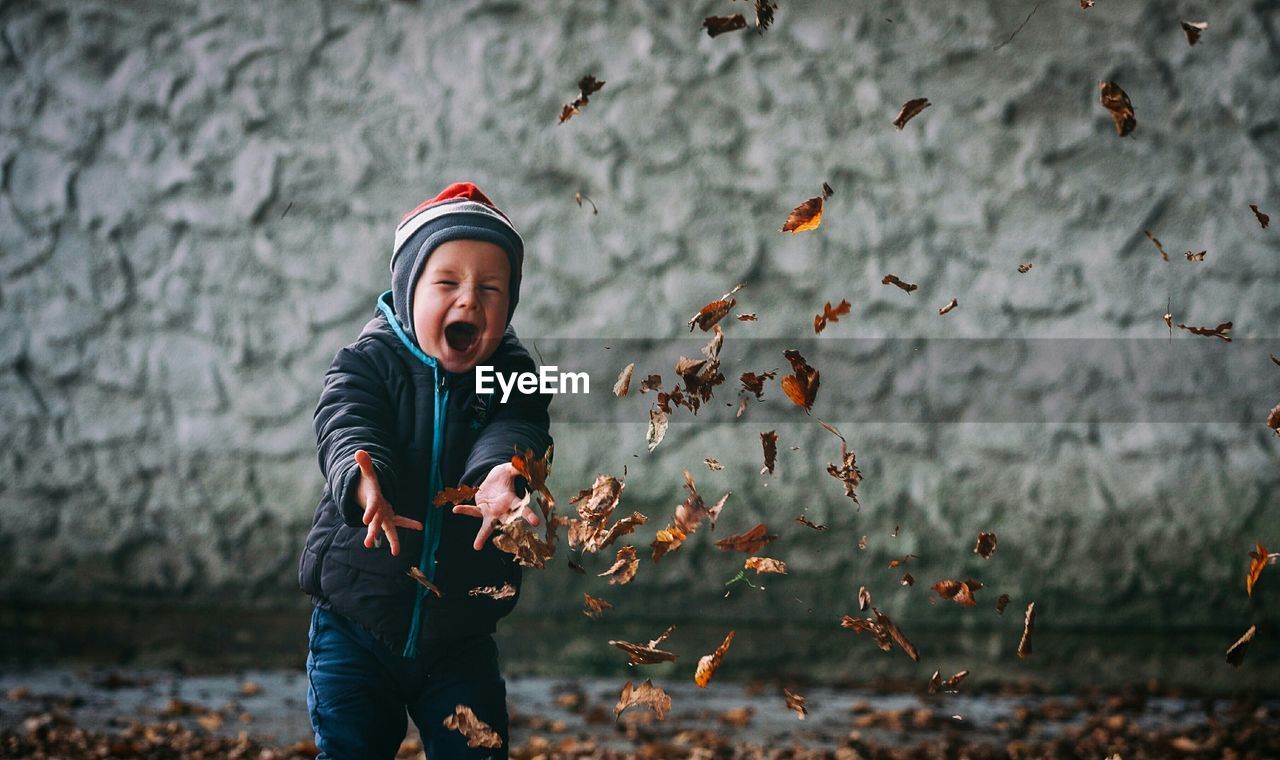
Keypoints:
pixel 197 208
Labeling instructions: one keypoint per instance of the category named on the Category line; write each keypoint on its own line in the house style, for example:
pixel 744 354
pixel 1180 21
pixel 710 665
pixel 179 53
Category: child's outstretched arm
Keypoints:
pixel 355 417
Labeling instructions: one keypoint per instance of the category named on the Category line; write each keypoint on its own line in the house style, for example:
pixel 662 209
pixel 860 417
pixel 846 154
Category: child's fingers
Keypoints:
pixel 389 527
pixel 468 509
pixel 405 522
pixel 371 534
pixel 366 466
pixel 482 535
pixel 531 516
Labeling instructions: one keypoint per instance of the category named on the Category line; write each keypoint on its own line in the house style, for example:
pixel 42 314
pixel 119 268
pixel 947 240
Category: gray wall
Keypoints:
pixel 197 211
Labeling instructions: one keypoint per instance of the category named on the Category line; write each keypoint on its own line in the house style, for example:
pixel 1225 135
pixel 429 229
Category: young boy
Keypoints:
pixel 399 420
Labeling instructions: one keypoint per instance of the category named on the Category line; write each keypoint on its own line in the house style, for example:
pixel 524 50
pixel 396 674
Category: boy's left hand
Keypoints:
pixel 495 499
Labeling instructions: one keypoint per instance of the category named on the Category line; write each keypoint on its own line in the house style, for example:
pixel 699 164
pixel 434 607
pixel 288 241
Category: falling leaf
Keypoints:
pixel 460 495
pixel 715 311
pixel 657 428
pixel 693 510
pixel 647 654
pixel 667 539
pixel 505 591
pixel 795 702
pixel 1257 560
pixel 579 197
pixel 1235 654
pixel 862 543
pixel 586 87
pixel 986 545
pixel 764 14
pixel 1263 219
pixel 892 279
pixel 746 317
pixel 1193 29
pixel 766 565
pixel 807 216
pixel 883 630
pixel 1086 4
pixel 1195 256
pixel 864 598
pixel 1002 601
pixel 1273 419
pixel 417 575
pixel 896 634
pixel 592 533
pixel 909 110
pixel 520 540
pixel 906 560
pixel 623 568
pixel 896 530
pixel 595 607
pixel 651 383
pixel 644 695
pixel 535 471
pixel 623 383
pixel 716 25
pixel 951 305
pixel 1159 247
pixel 908 579
pixel 936 683
pixel 712 464
pixel 802 385
pixel 806 521
pixel 754 383
pixel 750 542
pixel 830 314
pixel 1216 332
pixel 1024 646
pixel 709 663
pixel 1024 268
pixel 961 592
pixel 1117 102
pixel 478 733
pixel 769 442
pixel 1275 359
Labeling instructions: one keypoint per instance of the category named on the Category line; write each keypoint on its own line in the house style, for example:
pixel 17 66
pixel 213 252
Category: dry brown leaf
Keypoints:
pixel 520 540
pixel 646 654
pixel 750 542
pixel 505 591
pixel 906 560
pixel 764 14
pixel 1273 419
pixel 1257 560
pixel 986 544
pixel 1263 219
pixel 595 607
pixel 864 598
pixel 709 663
pixel 1086 4
pixel 586 87
pixel 769 442
pixel 961 592
pixel 1235 653
pixel 1002 601
pixel 830 314
pixel 751 317
pixel 651 383
pixel 896 634
pixel 460 495
pixel 936 683
pixel 715 311
pixel 1193 29
pixel 1024 646
pixel 1214 332
pixel 717 25
pixel 644 695
pixel 1024 268
pixel 765 565
pixel 712 464
pixel 1116 101
pixel 478 733
pixel 623 568
pixel 693 510
pixel 592 532
pixel 535 471
pixel 893 279
pixel 795 702
pixel 1195 256
pixel 862 543
pixel 909 110
pixel 667 539
pixel 623 384
pixel 908 579
pixel 801 386
pixel 657 428
pixel 950 305
pixel 807 216
pixel 806 521
pixel 417 575
pixel 1159 247
pixel 754 382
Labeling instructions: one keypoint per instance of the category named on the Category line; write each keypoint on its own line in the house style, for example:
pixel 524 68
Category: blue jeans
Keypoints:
pixel 359 692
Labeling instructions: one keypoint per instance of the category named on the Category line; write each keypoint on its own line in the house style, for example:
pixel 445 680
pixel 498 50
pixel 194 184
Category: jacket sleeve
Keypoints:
pixel 354 412
pixel 521 423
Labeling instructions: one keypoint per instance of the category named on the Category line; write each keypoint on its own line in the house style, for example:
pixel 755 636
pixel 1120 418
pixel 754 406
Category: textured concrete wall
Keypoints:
pixel 197 208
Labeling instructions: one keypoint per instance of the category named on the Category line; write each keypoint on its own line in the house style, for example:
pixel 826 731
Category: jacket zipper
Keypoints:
pixel 434 515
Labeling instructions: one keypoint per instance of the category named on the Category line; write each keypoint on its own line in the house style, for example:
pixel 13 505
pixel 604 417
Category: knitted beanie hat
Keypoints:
pixel 460 211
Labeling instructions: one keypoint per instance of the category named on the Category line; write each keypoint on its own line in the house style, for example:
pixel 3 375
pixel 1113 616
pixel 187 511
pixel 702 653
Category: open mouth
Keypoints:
pixel 461 336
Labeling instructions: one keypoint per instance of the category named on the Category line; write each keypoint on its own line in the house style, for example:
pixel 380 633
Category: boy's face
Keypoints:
pixel 460 303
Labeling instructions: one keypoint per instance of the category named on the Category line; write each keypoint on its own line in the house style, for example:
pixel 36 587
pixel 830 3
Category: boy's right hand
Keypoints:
pixel 378 514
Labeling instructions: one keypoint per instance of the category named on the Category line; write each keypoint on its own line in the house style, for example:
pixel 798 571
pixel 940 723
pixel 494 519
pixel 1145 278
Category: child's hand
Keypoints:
pixel 378 514
pixel 495 498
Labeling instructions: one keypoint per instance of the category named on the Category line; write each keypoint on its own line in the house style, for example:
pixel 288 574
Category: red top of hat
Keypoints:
pixel 458 191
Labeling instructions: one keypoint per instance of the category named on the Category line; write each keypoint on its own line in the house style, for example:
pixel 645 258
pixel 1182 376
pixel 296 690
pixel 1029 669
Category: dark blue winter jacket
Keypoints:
pixel 425 429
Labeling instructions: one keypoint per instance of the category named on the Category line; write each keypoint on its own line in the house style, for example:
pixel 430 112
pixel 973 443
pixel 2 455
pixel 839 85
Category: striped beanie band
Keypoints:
pixel 460 212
